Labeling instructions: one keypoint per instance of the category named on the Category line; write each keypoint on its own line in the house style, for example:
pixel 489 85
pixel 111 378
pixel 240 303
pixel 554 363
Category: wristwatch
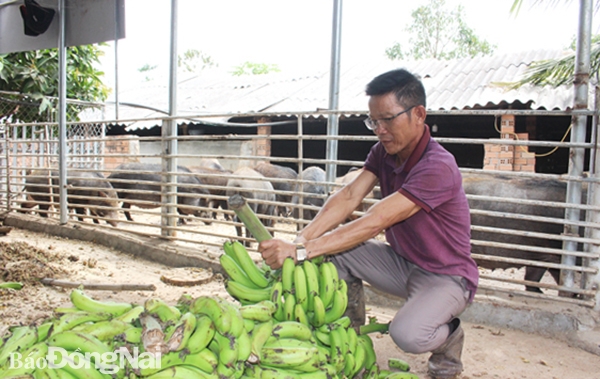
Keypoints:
pixel 301 253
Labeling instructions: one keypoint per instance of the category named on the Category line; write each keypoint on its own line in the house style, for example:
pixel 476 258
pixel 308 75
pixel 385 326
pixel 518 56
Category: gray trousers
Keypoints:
pixel 432 300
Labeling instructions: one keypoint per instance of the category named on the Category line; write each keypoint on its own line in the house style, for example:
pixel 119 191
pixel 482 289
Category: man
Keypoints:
pixel 425 215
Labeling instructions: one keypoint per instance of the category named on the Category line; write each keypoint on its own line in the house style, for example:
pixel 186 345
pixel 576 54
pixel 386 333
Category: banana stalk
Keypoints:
pixel 248 217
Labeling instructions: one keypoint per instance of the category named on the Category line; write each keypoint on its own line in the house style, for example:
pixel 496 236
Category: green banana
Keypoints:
pixel 12 285
pixel 337 349
pixel 287 352
pixel 338 307
pixel 178 338
pixel 261 311
pixel 228 249
pixel 322 337
pixel 372 372
pixel 352 340
pixel 343 288
pixel 271 373
pixel 210 306
pixel 318 317
pixel 205 360
pixel 228 349
pixel 132 335
pixel 289 307
pixel 80 370
pixel 62 310
pixel 401 375
pixel 248 265
pixel 72 341
pixel 45 373
pixel 29 356
pixel 70 320
pixel 398 364
pixel 300 287
pixel 226 371
pixel 312 283
pixel 277 297
pixel 249 324
pixel 334 273
pixel 86 303
pixel 106 330
pixel 360 359
pixel 203 334
pixel 287 275
pixel 246 294
pixel 300 315
pixel 235 272
pixel 292 329
pixel 44 330
pixel 260 334
pixel 311 366
pixel 349 362
pixel 244 346
pixel 181 372
pixel 132 314
pixel 165 312
pixel 370 356
pixel 237 321
pixel 326 284
pixel 22 338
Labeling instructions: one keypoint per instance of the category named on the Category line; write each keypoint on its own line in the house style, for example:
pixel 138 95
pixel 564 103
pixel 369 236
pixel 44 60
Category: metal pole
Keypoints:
pixel 334 89
pixel 169 162
pixel 62 112
pixel 577 155
pixel 117 33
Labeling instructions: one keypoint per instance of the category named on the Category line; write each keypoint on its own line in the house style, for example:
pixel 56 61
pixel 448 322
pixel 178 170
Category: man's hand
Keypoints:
pixel 274 252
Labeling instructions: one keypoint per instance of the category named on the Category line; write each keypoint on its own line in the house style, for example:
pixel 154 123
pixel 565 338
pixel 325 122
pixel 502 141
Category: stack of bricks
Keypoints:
pixel 125 149
pixel 509 157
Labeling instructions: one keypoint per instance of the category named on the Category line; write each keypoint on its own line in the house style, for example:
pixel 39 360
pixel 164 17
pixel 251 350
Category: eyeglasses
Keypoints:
pixel 374 124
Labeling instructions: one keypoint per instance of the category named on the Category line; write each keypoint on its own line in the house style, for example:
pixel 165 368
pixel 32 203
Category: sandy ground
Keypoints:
pixel 489 352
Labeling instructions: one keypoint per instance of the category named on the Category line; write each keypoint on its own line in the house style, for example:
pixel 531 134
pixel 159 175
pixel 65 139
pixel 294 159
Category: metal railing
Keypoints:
pixel 204 225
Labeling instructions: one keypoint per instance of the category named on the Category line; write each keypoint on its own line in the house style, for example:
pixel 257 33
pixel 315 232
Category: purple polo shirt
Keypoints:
pixel 437 238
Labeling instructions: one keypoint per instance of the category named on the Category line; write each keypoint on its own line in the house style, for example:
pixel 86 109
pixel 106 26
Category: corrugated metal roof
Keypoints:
pixel 458 84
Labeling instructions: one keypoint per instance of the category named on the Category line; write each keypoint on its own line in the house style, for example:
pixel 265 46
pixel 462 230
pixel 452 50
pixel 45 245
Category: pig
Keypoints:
pixel 242 184
pixel 79 183
pixel 127 181
pixel 216 186
pixel 519 188
pixel 312 194
pixel 274 171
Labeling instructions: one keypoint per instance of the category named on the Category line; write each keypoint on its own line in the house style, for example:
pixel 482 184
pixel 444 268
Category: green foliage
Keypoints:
pixel 557 72
pixel 439 33
pixel 35 74
pixel 250 68
pixel 194 61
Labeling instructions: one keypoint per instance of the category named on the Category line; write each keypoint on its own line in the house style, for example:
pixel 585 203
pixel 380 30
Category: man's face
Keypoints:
pixel 399 133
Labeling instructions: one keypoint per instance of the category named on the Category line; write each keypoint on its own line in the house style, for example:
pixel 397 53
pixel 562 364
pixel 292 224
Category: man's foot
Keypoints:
pixel 445 362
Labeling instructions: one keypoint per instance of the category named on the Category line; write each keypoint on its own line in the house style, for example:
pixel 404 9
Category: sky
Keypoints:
pixel 297 35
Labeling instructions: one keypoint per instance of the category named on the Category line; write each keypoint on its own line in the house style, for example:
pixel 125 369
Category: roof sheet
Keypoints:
pixel 457 84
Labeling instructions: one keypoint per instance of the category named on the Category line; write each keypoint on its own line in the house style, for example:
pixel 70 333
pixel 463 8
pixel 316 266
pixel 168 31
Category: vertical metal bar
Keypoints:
pixel 169 163
pixel 593 197
pixel 577 155
pixel 117 33
pixel 334 91
pixel 62 112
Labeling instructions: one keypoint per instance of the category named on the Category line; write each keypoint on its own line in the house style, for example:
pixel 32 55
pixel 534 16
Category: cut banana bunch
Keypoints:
pixel 289 323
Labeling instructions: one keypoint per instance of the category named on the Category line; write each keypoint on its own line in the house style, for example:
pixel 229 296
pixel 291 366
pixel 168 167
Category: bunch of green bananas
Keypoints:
pixel 288 324
pixel 309 334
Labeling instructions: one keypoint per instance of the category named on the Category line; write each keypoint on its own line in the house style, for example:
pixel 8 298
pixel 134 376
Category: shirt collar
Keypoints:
pixel 418 152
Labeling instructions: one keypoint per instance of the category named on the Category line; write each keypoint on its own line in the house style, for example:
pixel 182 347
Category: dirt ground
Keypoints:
pixel 489 352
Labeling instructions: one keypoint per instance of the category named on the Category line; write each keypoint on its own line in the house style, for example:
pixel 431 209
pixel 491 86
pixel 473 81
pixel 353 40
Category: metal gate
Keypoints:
pixel 209 227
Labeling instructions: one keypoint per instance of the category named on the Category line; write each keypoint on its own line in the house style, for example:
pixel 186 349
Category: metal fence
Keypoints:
pixel 502 238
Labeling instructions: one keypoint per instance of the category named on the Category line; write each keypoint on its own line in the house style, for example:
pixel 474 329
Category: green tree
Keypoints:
pixel 250 68
pixel 556 72
pixel 193 61
pixel 440 33
pixel 34 74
